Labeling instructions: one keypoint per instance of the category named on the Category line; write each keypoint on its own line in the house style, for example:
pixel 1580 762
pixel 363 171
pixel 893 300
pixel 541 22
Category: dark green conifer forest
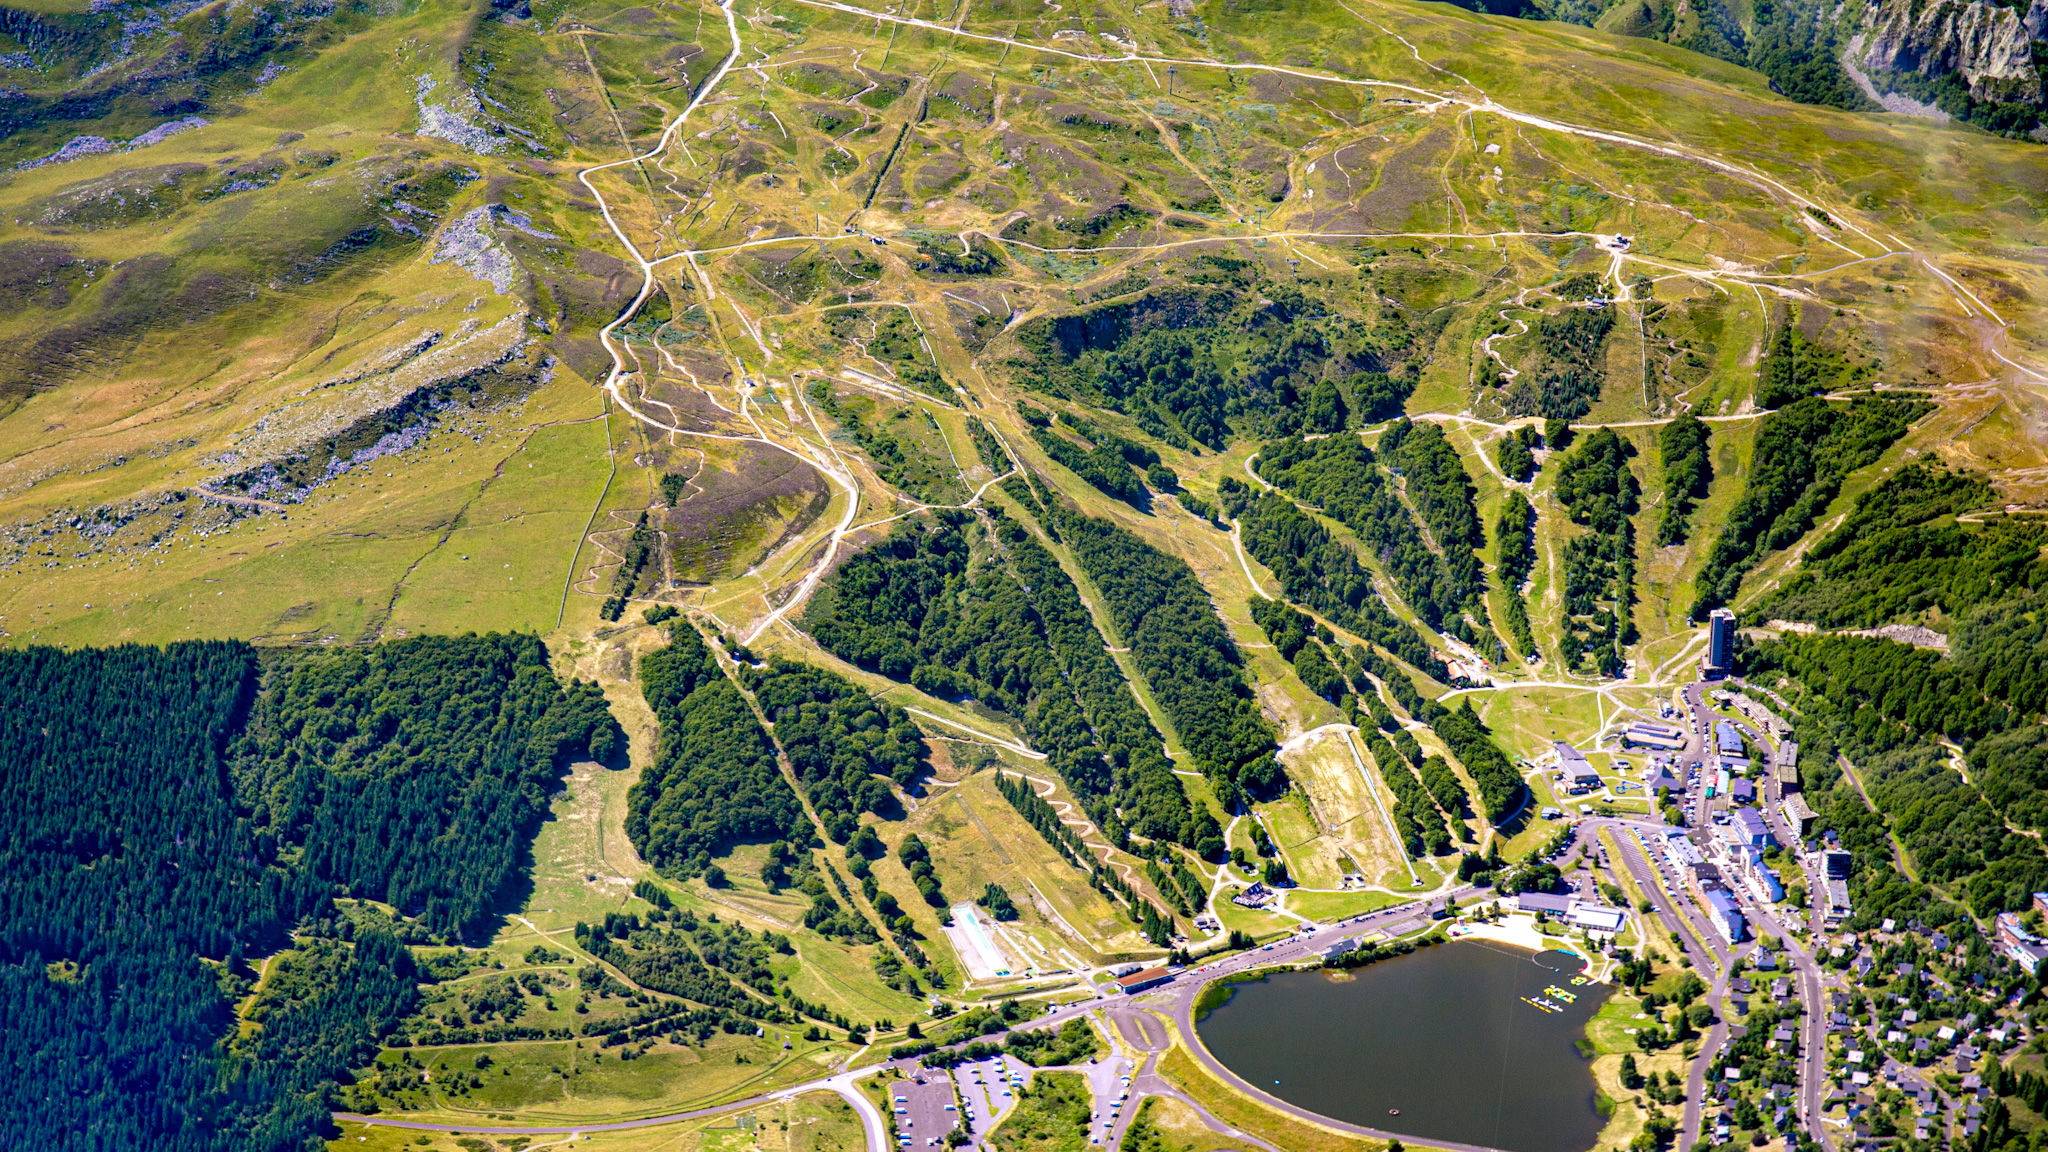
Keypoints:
pixel 714 781
pixel 171 812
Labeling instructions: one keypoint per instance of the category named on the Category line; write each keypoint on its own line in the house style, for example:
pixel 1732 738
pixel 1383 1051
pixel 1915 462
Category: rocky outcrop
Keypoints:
pixel 1991 47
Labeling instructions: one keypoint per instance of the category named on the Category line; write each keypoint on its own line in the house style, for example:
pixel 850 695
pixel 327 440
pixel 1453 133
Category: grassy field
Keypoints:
pixel 565 1082
pixel 977 838
pixel 811 1122
pixel 1164 1124
pixel 1051 1115
pixel 1328 906
pixel 1255 921
pixel 1526 720
pixel 1611 1033
pixel 1243 1114
pixel 492 571
pixel 1351 806
pixel 1310 852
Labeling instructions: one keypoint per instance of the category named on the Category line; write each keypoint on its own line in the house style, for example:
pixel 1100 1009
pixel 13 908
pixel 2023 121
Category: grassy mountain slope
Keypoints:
pixel 341 365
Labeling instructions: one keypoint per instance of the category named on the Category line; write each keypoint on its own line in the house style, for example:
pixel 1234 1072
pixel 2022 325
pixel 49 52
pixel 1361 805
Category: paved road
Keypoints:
pixel 1653 877
pixel 1666 894
pixel 1108 1085
pixel 1148 1082
pixel 1811 980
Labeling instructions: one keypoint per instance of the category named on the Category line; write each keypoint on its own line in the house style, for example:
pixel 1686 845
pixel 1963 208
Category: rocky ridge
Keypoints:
pixel 1993 47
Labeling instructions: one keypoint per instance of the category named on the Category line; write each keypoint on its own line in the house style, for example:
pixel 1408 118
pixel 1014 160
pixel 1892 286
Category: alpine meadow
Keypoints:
pixel 1201 575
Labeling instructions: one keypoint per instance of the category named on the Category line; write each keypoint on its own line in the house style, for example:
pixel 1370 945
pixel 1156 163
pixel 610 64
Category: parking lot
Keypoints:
pixel 1109 1082
pixel 924 1109
pixel 989 1087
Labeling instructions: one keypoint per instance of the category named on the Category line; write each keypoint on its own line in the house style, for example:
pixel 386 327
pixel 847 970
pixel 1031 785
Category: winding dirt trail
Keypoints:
pixel 1065 812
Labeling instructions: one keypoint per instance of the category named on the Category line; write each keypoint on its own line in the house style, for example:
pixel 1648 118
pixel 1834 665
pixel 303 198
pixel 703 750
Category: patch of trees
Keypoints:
pixel 1599 493
pixel 1443 784
pixel 1803 453
pixel 1795 368
pixel 1500 787
pixel 326 1009
pixel 415 772
pixel 1682 450
pixel 898 459
pixel 1956 838
pixel 1539 876
pixel 1901 553
pixel 862 849
pixel 1073 1043
pixel 1421 826
pixel 1014 634
pixel 1299 639
pixel 1881 702
pixel 1189 363
pixel 2030 1088
pixel 1950 92
pixel 714 782
pixel 1196 506
pixel 1914 687
pixel 997 900
pixel 1096 463
pixel 1516 454
pixel 1878 888
pixel 917 860
pixel 1444 497
pixel 1514 535
pixel 665 959
pixel 1168 379
pixel 954 257
pixel 159 805
pixel 1795 46
pixel 994 456
pixel 1179 884
pixel 1181 648
pixel 1340 475
pixel 2011 768
pixel 831 913
pixel 1875 696
pixel 632 565
pixel 1326 411
pixel 1568 378
pixel 841 742
pixel 1377 396
pixel 1129 451
pixel 899 341
pixel 1501 790
pixel 1318 570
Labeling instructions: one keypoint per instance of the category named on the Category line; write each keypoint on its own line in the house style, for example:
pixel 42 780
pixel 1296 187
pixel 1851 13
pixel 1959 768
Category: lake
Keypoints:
pixel 1446 1035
